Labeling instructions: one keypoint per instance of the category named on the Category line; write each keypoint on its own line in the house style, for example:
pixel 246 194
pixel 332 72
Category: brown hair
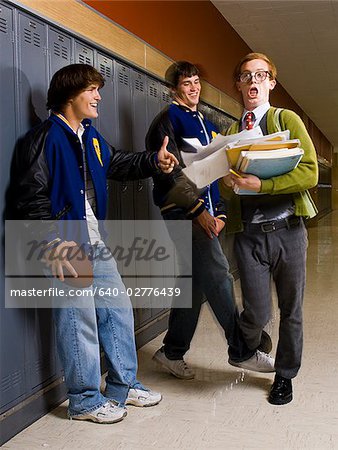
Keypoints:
pixel 69 82
pixel 250 57
pixel 179 69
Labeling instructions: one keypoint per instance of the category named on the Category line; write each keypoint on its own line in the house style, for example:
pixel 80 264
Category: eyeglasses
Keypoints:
pixel 258 76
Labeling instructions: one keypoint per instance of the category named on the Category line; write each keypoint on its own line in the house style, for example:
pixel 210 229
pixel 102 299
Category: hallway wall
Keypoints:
pixel 195 30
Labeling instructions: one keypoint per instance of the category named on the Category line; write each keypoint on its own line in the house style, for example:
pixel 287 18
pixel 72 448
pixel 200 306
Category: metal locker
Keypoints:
pixel 106 122
pixel 124 134
pixel 107 125
pixel 165 98
pixel 33 72
pixel 7 86
pixel 139 130
pixel 59 51
pixel 12 321
pixel 32 65
pixel 156 96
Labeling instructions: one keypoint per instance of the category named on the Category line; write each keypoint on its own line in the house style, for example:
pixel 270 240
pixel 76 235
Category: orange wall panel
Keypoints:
pixel 191 30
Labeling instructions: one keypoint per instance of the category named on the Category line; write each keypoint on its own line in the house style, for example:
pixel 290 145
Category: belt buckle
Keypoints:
pixel 268 227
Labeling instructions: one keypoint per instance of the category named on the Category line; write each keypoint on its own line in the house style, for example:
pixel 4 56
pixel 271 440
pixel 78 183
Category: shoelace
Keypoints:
pixel 183 364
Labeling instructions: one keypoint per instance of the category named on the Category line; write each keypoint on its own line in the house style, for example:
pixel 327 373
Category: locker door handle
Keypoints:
pixel 140 186
pixel 124 187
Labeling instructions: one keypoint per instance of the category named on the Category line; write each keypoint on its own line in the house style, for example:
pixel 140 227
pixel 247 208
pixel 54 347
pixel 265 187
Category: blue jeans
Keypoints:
pixel 211 280
pixel 84 323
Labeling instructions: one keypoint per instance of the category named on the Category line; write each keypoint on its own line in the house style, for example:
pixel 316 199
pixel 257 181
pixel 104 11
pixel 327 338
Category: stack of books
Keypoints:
pixel 248 152
pixel 269 157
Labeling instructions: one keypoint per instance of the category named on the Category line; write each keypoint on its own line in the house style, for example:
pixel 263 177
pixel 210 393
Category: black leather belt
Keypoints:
pixel 268 227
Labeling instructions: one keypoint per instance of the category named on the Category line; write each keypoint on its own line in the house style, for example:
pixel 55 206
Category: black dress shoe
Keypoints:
pixel 266 343
pixel 281 391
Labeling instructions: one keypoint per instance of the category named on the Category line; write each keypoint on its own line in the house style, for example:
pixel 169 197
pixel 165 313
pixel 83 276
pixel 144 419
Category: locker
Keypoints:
pixel 139 129
pixel 165 98
pixel 7 84
pixel 124 134
pixel 107 126
pixel 12 351
pixel 141 204
pixel 106 122
pixel 60 49
pixel 33 84
pixel 32 64
pixel 157 95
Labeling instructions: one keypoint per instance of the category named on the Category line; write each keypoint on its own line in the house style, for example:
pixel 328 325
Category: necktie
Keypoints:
pixel 249 120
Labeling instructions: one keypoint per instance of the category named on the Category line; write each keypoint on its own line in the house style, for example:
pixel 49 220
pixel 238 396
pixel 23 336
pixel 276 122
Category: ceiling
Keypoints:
pixel 301 37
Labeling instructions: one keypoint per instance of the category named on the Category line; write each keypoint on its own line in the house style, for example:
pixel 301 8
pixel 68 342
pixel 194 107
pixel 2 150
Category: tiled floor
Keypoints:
pixel 225 408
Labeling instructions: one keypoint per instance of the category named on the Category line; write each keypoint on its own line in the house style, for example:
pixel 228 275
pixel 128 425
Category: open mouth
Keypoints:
pixel 253 92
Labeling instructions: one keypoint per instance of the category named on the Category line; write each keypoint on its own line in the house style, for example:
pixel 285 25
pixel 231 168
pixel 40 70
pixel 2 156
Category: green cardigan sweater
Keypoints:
pixel 296 182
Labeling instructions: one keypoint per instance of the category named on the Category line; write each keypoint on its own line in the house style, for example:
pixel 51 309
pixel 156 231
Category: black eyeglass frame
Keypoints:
pixel 253 76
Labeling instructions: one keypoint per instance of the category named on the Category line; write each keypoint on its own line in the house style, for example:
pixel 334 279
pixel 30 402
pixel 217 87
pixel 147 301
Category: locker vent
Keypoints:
pixel 123 78
pixel 3 25
pixel 32 37
pixel 11 381
pixel 27 36
pixel 36 40
pixel 60 50
pixel 64 52
pixel 153 91
pixel 139 85
pixel 84 59
pixel 105 71
pixel 166 97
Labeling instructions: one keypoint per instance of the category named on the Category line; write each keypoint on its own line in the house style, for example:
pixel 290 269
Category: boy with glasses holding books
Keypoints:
pixel 272 241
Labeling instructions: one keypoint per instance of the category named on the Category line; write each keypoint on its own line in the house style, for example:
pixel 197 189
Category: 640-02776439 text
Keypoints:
pixel 95 291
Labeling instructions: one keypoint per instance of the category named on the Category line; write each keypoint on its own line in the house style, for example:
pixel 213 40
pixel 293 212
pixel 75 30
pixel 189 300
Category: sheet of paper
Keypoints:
pixel 209 169
pixel 219 142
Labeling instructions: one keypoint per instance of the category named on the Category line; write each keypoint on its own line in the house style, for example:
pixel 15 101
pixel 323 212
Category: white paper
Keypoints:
pixel 217 143
pixel 209 169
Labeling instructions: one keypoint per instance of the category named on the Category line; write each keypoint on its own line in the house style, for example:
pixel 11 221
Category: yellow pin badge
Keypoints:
pixel 97 150
pixel 213 134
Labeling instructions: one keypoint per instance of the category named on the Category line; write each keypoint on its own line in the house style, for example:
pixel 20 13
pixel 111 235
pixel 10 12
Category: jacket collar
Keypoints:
pixel 187 109
pixel 63 122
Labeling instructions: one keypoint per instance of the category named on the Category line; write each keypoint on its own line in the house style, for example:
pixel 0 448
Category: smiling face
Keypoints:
pixel 85 104
pixel 255 94
pixel 187 91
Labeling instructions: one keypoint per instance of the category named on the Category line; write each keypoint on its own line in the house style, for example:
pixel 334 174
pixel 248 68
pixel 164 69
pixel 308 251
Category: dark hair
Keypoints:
pixel 251 57
pixel 69 82
pixel 179 69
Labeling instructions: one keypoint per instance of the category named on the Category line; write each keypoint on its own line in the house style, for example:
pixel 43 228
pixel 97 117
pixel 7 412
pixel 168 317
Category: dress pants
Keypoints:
pixel 280 256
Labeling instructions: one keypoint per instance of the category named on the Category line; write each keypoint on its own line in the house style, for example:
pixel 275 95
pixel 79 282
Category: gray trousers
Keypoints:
pixel 280 256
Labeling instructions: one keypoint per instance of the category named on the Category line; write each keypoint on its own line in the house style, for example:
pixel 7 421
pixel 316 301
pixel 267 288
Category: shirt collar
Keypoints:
pixel 258 112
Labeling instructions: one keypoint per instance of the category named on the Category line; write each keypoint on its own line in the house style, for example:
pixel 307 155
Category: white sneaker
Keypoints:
pixel 177 367
pixel 107 413
pixel 139 397
pixel 259 362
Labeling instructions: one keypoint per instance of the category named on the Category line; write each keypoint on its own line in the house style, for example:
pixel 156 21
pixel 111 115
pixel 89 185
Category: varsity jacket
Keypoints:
pixel 175 190
pixel 297 182
pixel 47 175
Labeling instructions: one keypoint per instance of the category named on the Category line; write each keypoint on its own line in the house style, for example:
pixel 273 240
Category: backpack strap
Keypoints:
pixel 276 121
